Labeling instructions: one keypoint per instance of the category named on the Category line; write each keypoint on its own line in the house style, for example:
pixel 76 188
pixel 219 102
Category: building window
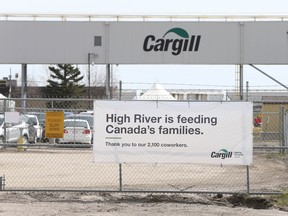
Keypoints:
pixel 191 97
pixel 178 96
pixel 97 40
pixel 201 97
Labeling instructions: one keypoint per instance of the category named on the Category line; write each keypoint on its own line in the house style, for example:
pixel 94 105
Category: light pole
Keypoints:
pixel 10 86
pixel 23 87
pixel 107 86
pixel 91 58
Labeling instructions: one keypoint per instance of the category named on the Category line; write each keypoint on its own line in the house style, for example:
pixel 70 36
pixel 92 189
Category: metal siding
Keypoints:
pixel 266 43
pixel 49 42
pixel 52 42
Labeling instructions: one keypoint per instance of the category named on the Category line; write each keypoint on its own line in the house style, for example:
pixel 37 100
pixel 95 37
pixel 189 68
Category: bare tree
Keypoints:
pixel 36 75
pixel 98 75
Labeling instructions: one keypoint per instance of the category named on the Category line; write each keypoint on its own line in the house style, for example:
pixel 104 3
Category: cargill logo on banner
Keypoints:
pixel 222 153
pixel 183 43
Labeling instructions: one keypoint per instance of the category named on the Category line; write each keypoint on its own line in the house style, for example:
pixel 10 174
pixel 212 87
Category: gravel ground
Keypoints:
pixel 74 169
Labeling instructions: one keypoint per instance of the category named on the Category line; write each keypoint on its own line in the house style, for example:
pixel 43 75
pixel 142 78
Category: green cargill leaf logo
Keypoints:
pixel 223 151
pixel 179 31
pixel 179 41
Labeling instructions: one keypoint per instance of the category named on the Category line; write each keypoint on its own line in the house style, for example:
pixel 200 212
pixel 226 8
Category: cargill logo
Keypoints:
pixel 185 43
pixel 222 153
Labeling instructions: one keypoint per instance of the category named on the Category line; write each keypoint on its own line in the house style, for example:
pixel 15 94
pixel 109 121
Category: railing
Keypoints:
pixel 142 17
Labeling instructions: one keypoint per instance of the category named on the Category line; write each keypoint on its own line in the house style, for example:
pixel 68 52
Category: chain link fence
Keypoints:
pixel 45 164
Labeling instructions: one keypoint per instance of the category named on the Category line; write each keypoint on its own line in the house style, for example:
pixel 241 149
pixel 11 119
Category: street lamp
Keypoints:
pixel 91 58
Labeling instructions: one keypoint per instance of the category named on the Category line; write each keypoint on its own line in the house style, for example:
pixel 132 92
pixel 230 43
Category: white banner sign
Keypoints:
pixel 173 132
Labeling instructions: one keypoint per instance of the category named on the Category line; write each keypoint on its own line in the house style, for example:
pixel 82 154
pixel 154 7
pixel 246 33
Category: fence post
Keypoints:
pixel 2 183
pixel 247 91
pixel 120 177
pixel 120 90
pixel 248 179
pixel 5 131
pixel 282 129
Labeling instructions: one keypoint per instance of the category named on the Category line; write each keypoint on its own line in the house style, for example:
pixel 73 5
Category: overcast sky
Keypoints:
pixel 194 76
pixel 145 6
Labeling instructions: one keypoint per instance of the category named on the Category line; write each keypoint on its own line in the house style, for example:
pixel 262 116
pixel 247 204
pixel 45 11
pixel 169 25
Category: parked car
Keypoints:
pixel 15 130
pixel 12 132
pixel 38 127
pixel 88 118
pixel 40 115
pixel 88 112
pixel 76 131
pixel 28 129
pixel 68 113
pixel 41 118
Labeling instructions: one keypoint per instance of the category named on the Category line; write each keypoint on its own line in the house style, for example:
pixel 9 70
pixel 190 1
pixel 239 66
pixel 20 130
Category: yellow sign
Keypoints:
pixel 54 125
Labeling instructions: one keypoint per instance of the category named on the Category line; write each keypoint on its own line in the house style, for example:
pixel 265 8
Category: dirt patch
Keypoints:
pixel 250 202
pixel 59 203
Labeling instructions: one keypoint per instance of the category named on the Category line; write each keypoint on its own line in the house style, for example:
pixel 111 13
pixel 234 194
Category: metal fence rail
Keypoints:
pixel 69 167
